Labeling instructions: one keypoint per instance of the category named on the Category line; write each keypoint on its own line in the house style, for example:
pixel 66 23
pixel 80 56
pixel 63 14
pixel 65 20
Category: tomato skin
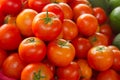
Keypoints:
pixel 41 29
pixel 55 8
pixel 87 24
pixel 12 7
pixel 70 29
pixel 28 73
pixel 98 39
pixel 82 45
pixel 26 17
pixel 13 66
pixel 100 58
pixel 32 49
pixel 37 4
pixel 60 52
pixel 100 14
pixel 10 37
pixel 108 75
pixel 69 72
pixel 3 56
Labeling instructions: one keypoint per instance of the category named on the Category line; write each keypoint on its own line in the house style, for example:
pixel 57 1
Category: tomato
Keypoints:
pixel 13 66
pixel 36 71
pixel 60 52
pixel 100 58
pixel 108 75
pixel 3 56
pixel 87 24
pixel 37 4
pixel 85 69
pixel 67 11
pixel 98 39
pixel 32 49
pixel 82 46
pixel 70 29
pixel 69 72
pixel 10 37
pixel 100 14
pixel 55 8
pixel 2 16
pixel 81 9
pixel 26 17
pixel 12 7
pixel 46 23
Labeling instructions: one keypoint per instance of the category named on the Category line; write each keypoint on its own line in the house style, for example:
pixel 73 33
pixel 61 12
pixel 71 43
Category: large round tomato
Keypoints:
pixel 87 24
pixel 100 58
pixel 13 66
pixel 46 26
pixel 10 37
pixel 55 8
pixel 69 72
pixel 60 52
pixel 38 4
pixel 32 49
pixel 26 17
pixel 12 7
pixel 36 71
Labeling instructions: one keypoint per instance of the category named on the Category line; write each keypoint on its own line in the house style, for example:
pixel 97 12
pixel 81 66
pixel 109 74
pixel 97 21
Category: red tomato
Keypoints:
pixel 98 39
pixel 46 26
pixel 60 52
pixel 67 11
pixel 87 24
pixel 12 7
pixel 26 17
pixel 36 71
pixel 108 75
pixel 70 29
pixel 69 72
pixel 32 49
pixel 55 8
pixel 38 4
pixel 100 58
pixel 82 46
pixel 81 9
pixel 85 69
pixel 13 66
pixel 100 14
pixel 10 37
pixel 3 56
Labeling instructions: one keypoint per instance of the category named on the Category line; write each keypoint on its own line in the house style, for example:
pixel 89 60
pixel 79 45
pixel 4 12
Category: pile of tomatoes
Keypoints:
pixel 56 40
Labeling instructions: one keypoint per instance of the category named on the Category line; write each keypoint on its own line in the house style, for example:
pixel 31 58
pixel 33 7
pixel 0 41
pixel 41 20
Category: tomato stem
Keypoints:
pixel 47 19
pixel 38 76
pixel 62 43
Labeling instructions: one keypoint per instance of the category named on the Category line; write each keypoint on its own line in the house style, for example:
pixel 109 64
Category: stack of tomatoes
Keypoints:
pixel 56 40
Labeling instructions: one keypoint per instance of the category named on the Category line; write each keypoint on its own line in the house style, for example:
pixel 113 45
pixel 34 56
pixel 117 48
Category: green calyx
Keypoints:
pixel 47 19
pixel 38 76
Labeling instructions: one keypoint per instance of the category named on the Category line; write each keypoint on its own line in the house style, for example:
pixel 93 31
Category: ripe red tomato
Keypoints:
pixel 26 17
pixel 13 66
pixel 55 8
pixel 46 26
pixel 87 24
pixel 38 4
pixel 100 14
pixel 98 39
pixel 67 11
pixel 100 58
pixel 69 72
pixel 82 46
pixel 12 7
pixel 81 9
pixel 85 69
pixel 60 52
pixel 36 71
pixel 70 29
pixel 10 37
pixel 108 75
pixel 3 56
pixel 32 49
